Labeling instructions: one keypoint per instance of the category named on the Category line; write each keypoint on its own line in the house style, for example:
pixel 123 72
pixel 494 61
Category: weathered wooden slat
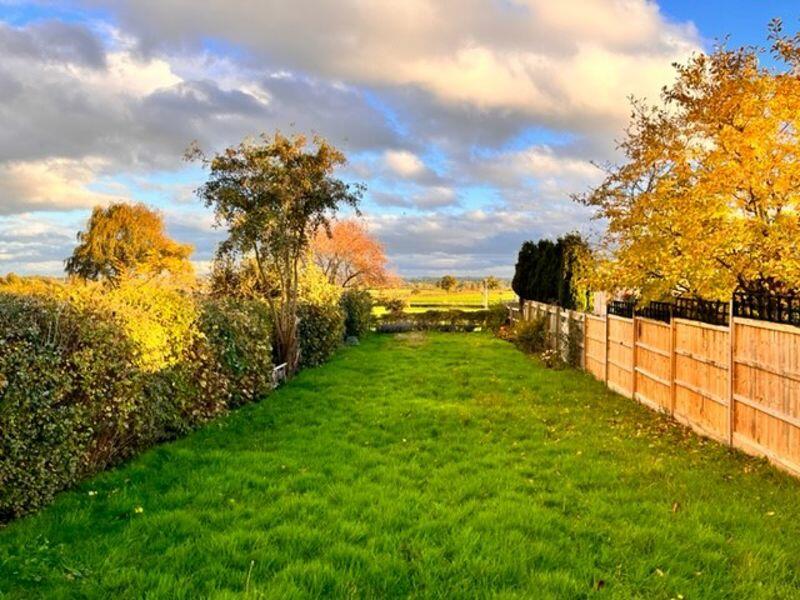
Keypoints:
pixel 653 349
pixel 700 392
pixel 653 376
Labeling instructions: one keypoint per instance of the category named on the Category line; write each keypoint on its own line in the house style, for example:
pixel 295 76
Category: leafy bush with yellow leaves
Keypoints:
pixel 91 375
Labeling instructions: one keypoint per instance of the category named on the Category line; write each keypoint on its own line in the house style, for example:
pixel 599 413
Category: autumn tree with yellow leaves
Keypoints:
pixel 128 240
pixel 707 198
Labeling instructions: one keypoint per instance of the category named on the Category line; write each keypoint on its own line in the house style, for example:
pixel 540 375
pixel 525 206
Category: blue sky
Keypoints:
pixel 470 121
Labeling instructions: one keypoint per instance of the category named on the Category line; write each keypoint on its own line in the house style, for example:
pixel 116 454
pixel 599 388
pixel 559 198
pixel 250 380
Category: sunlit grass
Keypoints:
pixel 439 465
pixel 424 299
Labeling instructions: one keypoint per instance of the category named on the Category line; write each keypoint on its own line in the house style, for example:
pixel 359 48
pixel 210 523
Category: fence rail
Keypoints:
pixel 723 369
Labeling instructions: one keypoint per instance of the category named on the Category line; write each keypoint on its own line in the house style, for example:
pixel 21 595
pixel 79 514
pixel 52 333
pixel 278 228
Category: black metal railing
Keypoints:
pixel 775 308
pixel 621 308
pixel 659 311
pixel 767 307
pixel 714 312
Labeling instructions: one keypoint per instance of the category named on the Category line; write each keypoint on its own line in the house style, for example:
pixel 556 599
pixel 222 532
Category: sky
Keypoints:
pixel 471 122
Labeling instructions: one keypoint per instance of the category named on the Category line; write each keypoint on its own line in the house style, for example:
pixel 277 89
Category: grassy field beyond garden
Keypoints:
pixel 422 299
pixel 438 465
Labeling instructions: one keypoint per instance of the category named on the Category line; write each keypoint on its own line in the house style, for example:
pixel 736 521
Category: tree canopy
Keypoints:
pixel 127 240
pixel 549 271
pixel 448 283
pixel 349 256
pixel 273 195
pixel 708 196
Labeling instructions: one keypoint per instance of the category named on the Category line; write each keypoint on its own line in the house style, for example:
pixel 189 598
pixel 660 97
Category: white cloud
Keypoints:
pixel 437 196
pixel 50 185
pixel 540 163
pixel 403 163
pixel 571 62
pixel 391 83
pixel 36 244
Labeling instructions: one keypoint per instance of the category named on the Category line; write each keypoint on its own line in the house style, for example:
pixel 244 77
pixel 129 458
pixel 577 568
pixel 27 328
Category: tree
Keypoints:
pixel 349 256
pixel 575 263
pixel 127 240
pixel 273 196
pixel 492 283
pixel 548 271
pixel 708 197
pixel 448 283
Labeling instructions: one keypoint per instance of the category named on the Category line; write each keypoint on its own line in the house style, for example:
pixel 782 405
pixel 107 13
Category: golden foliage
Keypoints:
pixel 708 198
pixel 128 240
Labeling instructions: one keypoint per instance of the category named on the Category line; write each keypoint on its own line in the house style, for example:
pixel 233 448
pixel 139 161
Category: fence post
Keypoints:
pixel 585 340
pixel 634 337
pixel 673 362
pixel 605 358
pixel 731 372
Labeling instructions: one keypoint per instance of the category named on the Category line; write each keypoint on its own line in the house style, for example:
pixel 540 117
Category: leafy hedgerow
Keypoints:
pixel 357 307
pixel 444 320
pixel 91 375
pixel 321 331
pixel 229 326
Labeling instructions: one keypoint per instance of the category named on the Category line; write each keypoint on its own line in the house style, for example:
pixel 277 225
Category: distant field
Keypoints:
pixel 420 300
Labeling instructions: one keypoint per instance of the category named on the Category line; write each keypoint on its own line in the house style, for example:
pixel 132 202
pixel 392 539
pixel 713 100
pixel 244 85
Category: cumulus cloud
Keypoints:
pixel 421 198
pixel 568 62
pixel 469 242
pixel 72 111
pixel 35 244
pixel 431 99
pixel 49 185
pixel 403 163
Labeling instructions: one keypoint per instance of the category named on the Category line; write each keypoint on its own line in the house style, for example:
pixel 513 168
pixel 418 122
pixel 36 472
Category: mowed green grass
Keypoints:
pixel 446 465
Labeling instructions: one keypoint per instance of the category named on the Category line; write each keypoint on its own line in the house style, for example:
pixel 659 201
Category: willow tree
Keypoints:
pixel 128 240
pixel 708 196
pixel 273 195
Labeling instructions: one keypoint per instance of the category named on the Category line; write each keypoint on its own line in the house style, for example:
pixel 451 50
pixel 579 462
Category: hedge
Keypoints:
pixel 357 307
pixel 321 331
pixel 89 376
pixel 444 320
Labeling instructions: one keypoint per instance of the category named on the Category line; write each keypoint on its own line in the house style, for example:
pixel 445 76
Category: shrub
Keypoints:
pixel 91 375
pixel 357 308
pixel 573 343
pixel 68 378
pixel 245 358
pixel 496 317
pixel 395 305
pixel 443 320
pixel 531 336
pixel 395 327
pixel 551 359
pixel 321 331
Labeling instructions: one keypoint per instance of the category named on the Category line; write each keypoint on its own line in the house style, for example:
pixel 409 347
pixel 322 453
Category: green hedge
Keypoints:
pixel 357 307
pixel 321 331
pixel 444 320
pixel 91 376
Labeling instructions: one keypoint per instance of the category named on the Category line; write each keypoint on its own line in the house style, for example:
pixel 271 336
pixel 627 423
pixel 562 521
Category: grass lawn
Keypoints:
pixel 446 465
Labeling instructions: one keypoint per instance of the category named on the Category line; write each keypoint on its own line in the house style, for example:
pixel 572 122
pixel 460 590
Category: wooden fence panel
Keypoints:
pixel 767 390
pixel 620 355
pixel 595 350
pixel 685 368
pixel 572 326
pixel 702 355
pixel 654 364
